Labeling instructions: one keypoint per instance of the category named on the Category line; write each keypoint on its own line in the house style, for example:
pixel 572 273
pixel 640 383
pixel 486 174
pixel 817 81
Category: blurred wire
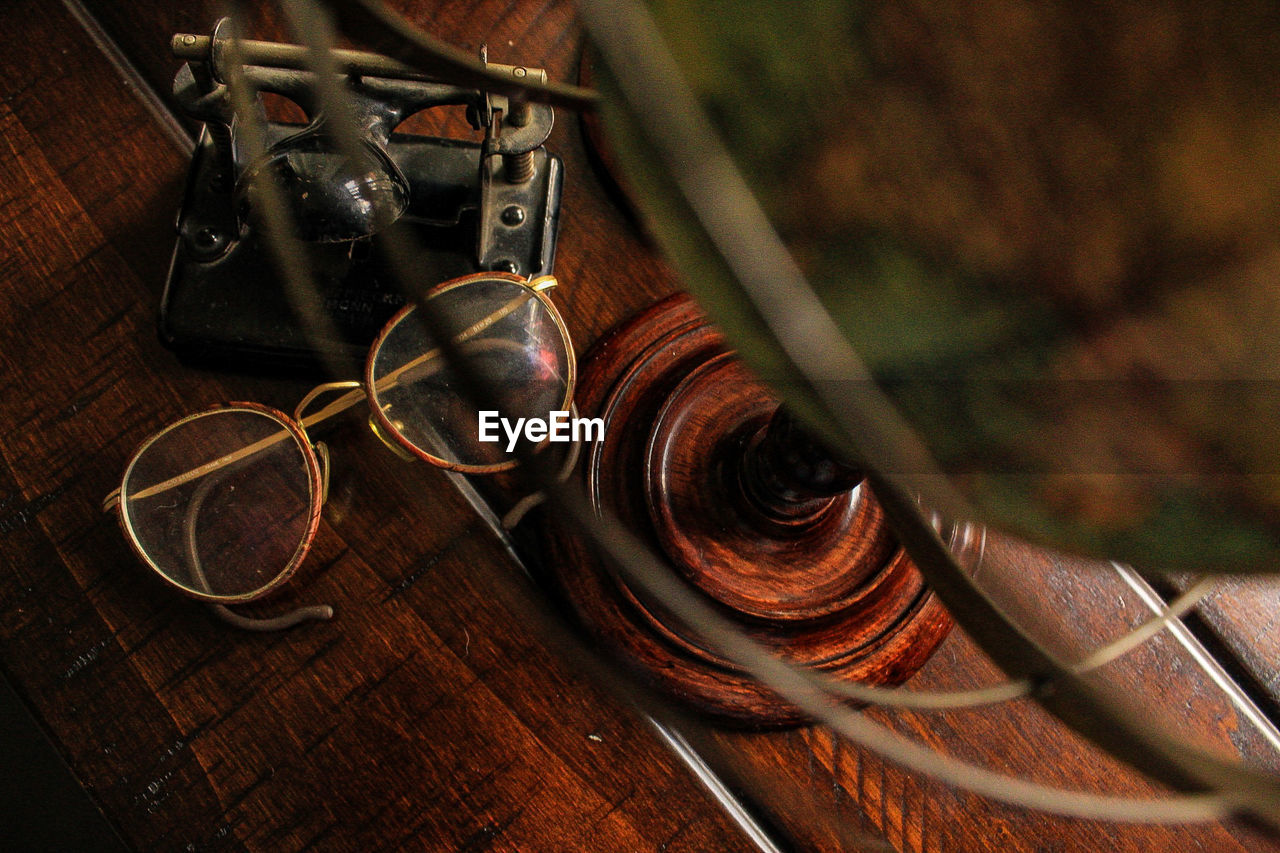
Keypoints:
pixel 759 270
pixel 1179 766
pixel 376 23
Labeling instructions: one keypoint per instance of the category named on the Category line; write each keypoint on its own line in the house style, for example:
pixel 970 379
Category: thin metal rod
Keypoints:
pixel 1165 617
pixel 271 54
pixel 727 799
pixel 376 22
pixel 1241 700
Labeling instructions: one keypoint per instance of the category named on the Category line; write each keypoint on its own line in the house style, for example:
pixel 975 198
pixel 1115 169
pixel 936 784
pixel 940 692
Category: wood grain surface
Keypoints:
pixel 431 713
pixel 820 581
pixel 441 708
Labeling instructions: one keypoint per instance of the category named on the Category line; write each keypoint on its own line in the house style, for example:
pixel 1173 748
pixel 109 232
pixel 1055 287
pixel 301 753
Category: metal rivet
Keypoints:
pixel 208 243
pixel 520 72
pixel 513 215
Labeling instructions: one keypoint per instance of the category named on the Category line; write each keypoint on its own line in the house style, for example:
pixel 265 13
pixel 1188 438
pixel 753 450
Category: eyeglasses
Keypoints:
pixel 223 504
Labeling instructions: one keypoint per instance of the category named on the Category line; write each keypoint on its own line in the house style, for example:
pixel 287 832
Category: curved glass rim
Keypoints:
pixel 313 496
pixel 372 392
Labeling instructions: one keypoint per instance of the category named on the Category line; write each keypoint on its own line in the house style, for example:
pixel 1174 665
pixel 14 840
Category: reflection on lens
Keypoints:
pixel 512 340
pixel 222 503
pixel 334 197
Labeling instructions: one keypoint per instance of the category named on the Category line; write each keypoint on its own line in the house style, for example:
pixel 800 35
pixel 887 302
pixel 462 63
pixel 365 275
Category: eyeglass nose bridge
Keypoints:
pixel 354 390
pixel 350 386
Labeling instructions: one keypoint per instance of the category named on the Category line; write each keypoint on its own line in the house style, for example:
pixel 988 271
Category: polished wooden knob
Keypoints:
pixel 781 535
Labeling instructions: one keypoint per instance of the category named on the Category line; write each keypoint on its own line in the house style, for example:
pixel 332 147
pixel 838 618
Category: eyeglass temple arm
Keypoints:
pixel 318 612
pixel 294 617
pixel 528 502
pixel 250 623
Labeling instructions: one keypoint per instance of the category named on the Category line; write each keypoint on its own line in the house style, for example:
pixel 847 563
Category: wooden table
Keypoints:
pixel 444 707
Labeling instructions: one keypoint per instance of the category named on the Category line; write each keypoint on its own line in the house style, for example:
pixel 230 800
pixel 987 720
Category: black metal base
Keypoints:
pixel 225 304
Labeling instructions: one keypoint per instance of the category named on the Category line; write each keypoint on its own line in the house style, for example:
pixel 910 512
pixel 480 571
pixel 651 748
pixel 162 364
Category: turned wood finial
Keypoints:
pixel 750 510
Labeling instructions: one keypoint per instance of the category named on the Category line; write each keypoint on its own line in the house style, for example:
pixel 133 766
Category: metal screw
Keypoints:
pixel 208 242
pixel 518 112
pixel 520 72
pixel 513 215
pixel 519 167
pixel 188 39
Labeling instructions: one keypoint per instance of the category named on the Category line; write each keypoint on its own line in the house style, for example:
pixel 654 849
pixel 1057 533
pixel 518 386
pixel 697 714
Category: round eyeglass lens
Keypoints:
pixel 511 338
pixel 222 503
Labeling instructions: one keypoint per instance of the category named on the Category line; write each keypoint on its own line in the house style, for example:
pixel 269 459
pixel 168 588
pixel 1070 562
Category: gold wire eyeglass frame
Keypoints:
pixel 316 453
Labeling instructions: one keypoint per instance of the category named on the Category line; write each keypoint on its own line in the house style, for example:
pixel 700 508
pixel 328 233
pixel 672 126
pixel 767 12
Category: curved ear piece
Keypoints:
pixel 319 612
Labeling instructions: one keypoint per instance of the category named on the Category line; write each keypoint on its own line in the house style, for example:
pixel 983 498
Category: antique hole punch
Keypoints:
pixel 475 206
